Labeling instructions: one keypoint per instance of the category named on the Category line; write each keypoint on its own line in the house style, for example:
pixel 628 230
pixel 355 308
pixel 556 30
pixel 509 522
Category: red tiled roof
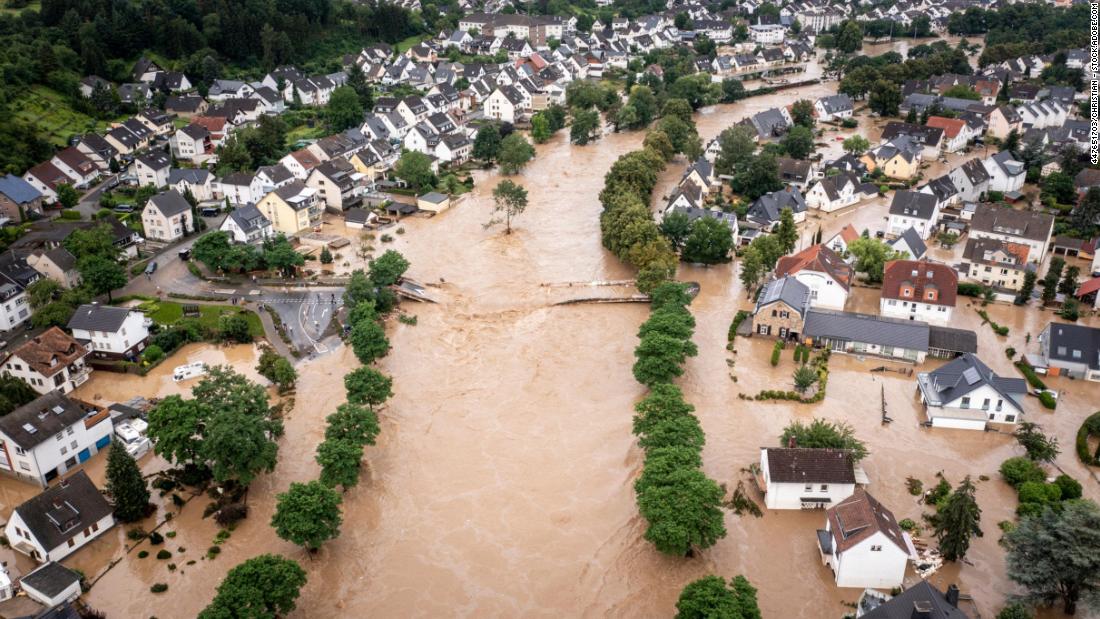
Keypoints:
pixel 818 258
pixel 951 126
pixel 860 516
pixel 50 352
pixel 1088 287
pixel 920 277
pixel 848 233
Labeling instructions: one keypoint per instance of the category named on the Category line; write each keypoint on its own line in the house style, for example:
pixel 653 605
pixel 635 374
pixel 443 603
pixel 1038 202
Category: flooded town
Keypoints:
pixel 612 309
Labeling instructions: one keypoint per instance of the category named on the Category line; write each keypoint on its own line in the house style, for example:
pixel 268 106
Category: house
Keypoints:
pixel 921 600
pixel 241 188
pixel 866 334
pixel 839 241
pixel 186 106
pixel 60 520
pixel 956 133
pixel 90 84
pixel 51 361
pixel 246 224
pixel 909 245
pixel 1070 350
pixel 805 478
pixel 863 544
pixel 192 143
pixel 77 166
pixel 57 264
pixel 109 332
pixel 824 272
pixel 781 309
pixel 770 123
pixel 433 202
pixel 834 107
pixel 1014 226
pixel 919 290
pixel 971 180
pixel 199 182
pixel 899 158
pixel 356 218
pixel 167 216
pixel 838 191
pixel 338 184
pixel 292 208
pixel 52 585
pixel 159 122
pixel 794 172
pixel 996 263
pixel 1001 121
pixel 18 198
pixel 505 103
pixel 301 163
pixel 767 210
pixel 1005 173
pixel 913 209
pixel 928 137
pixel 15 276
pixel 152 169
pixel 966 395
pixel 46 178
pixel 50 436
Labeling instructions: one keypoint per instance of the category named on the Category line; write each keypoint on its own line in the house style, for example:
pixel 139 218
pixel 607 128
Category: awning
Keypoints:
pixel 815 500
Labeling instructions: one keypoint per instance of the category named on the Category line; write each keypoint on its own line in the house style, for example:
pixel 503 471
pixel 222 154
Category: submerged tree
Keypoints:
pixel 959 520
pixel 509 201
pixel 126 486
pixel 264 586
pixel 711 598
pixel 307 514
pixel 1056 555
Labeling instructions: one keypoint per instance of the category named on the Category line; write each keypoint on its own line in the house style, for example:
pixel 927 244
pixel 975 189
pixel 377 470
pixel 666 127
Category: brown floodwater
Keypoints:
pixel 501 484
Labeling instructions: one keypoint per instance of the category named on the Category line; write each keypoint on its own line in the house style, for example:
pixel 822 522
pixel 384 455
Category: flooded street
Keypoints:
pixel 502 482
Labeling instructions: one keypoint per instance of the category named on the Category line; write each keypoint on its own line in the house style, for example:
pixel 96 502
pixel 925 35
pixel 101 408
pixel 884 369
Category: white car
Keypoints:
pixel 135 442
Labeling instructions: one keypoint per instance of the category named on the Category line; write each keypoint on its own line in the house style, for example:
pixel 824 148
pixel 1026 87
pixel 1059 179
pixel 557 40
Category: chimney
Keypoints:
pixel 922 610
pixel 952 595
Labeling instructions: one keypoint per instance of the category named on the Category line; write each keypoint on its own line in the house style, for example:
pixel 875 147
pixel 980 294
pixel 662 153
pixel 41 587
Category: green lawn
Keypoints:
pixel 51 114
pixel 35 5
pixel 405 45
pixel 169 312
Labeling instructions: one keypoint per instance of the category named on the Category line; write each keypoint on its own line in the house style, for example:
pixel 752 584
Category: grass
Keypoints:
pixel 52 116
pixel 407 44
pixel 35 5
pixel 304 132
pixel 169 312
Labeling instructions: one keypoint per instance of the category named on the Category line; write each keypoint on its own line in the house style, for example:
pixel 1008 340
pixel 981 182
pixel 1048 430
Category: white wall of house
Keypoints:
pixel 63 381
pixel 14 312
pixel 876 562
pixel 915 310
pixel 824 291
pixel 62 452
pixel 131 332
pixel 900 223
pixel 17 531
pixel 1037 250
pixel 161 228
pixel 789 495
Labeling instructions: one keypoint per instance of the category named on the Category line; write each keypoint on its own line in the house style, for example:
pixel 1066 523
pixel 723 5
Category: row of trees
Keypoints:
pixel 218 253
pixel 681 504
pixel 497 142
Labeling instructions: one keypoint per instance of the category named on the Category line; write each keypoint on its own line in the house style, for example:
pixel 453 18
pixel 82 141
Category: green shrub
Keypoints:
pixel 1070 487
pixel 1047 400
pixel 159 588
pixel 153 354
pixel 1020 470
pixel 69 214
pixel 776 350
pixel 967 289
pixel 1090 426
pixel 136 533
pixel 170 534
pixel 143 553
pixel 1029 373
pixel 1039 492
pixel 737 320
pixel 908 525
pixel 849 123
pixel 1010 352
pixel 164 554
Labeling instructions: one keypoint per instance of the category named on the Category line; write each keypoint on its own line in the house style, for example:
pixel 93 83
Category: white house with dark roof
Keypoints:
pixel 965 394
pixel 834 107
pixel 909 245
pixel 970 179
pixel 50 361
pixel 167 216
pixel 198 181
pixel 1069 350
pixel 1010 225
pixel 51 584
pixel 806 478
pixel 246 224
pixel 50 436
pixel 109 332
pixel 152 169
pixel 1006 174
pixel 767 210
pixel 838 191
pixel 911 209
pixel 863 544
pixel 61 520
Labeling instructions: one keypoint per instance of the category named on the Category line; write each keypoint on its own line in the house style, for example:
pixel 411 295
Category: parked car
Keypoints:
pixel 151 268
pixel 185 254
pixel 209 211
pixel 123 208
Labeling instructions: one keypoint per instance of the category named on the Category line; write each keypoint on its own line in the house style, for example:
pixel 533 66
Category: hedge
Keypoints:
pixel 1047 400
pixel 1029 373
pixel 775 353
pixel 1090 426
pixel 737 320
pixel 967 289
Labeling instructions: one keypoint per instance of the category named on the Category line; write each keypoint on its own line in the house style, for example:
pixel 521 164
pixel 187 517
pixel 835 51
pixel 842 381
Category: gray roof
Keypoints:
pixel 966 374
pixel 912 241
pixel 866 328
pixel 169 203
pixel 59 513
pixel 32 424
pixel 836 103
pixel 1067 339
pixel 913 204
pixel 995 219
pixel 192 176
pixel 922 594
pixel 95 317
pixel 953 340
pixel 18 190
pixel 768 207
pixel 433 197
pixel 50 579
pixel 248 218
pixel 788 290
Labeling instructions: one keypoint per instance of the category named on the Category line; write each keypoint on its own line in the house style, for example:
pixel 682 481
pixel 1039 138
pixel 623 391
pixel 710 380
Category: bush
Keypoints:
pixel 967 289
pixel 737 320
pixel 231 514
pixel 143 553
pixel 1039 492
pixel 136 533
pixel 170 534
pixel 156 538
pixel 1070 487
pixel 1047 400
pixel 1020 470
pixel 908 525
pixel 69 214
pixel 776 350
pixel 1029 373
pixel 153 354
pixel 1010 352
pixel 1090 427
pixel 849 123
pixel 163 554
pixel 159 588
pixel 214 550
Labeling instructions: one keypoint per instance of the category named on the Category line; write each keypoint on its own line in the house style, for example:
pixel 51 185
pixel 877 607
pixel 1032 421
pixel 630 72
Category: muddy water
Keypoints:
pixel 502 482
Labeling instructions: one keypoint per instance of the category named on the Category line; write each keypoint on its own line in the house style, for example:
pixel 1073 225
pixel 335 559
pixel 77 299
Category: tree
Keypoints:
pixel 1068 285
pixel 514 153
pixel 238 446
pixel 962 91
pixel 277 369
pixel 368 341
pixel 849 37
pixel 585 124
pixel 101 275
pixel 799 142
pixel 415 169
pixel 487 142
pixel 752 269
pixel 710 242
pixel 280 255
pixel 787 233
pixel 759 177
pixel 1016 610
pixel 1040 447
pixel 684 513
pixel 14 392
pixel 234 328
pixel 885 98
pixel 958 521
pixel 540 128
pixel 368 386
pixel 263 586
pixel 732 90
pixel 658 142
pixel 344 109
pixel 824 434
pixel 42 292
pixel 1087 213
pixel 676 227
pixel 802 113
pixel 326 255
pixel 871 257
pixel 125 485
pixel 664 401
pixel 856 144
pixel 1026 288
pixel 352 422
pixel 1060 186
pixel 233 156
pixel 172 424
pixel 804 378
pixel 340 462
pixel 710 598
pixel 660 358
pixel 387 269
pixel 67 196
pixel 1056 555
pixel 307 514
pixel 683 135
pixel 509 201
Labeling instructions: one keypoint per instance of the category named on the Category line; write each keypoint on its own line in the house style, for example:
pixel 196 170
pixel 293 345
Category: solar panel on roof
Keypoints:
pixel 29 428
pixel 971 376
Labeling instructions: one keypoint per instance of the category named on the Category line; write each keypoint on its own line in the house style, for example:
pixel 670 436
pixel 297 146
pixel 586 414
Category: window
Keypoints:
pixel 24 466
pixel 95 527
pixel 72 445
pixel 60 436
pixel 64 450
pixel 809 488
pixel 965 402
pixel 824 487
pixel 1010 418
pixel 1000 404
pixel 19 451
pixel 991 416
pixel 71 543
pixel 69 431
pixel 1076 354
pixel 876 548
pixel 985 404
